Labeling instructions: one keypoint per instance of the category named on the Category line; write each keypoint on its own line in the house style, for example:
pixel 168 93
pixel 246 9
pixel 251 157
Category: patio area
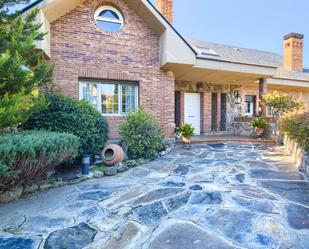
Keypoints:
pixel 215 139
pixel 200 196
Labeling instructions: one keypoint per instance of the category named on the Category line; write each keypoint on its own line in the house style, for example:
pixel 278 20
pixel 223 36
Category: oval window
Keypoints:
pixel 109 19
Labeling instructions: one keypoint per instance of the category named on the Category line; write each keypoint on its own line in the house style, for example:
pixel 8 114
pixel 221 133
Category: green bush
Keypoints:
pixel 296 126
pixel 260 123
pixel 26 155
pixel 281 103
pixel 65 114
pixel 142 134
pixel 186 130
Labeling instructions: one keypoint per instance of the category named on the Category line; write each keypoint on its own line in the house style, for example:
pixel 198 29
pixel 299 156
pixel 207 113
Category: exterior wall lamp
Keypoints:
pixel 237 97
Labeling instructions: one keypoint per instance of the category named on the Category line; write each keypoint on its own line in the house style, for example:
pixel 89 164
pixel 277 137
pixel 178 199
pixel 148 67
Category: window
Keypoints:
pixel 110 98
pixel 207 51
pixel 250 105
pixel 270 111
pixel 109 19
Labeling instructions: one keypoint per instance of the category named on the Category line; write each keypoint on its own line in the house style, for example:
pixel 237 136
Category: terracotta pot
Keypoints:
pixel 259 131
pixel 186 140
pixel 112 154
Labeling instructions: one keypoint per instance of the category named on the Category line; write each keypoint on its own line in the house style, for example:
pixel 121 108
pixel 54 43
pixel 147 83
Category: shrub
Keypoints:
pixel 296 126
pixel 186 130
pixel 23 68
pixel 281 103
pixel 260 123
pixel 65 114
pixel 142 134
pixel 26 155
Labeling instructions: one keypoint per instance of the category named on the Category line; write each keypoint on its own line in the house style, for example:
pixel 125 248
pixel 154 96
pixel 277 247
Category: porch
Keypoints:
pixel 218 108
pixel 221 139
pixel 214 98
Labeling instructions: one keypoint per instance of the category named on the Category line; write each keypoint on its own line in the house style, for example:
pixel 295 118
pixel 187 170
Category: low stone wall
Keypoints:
pixel 245 129
pixel 300 156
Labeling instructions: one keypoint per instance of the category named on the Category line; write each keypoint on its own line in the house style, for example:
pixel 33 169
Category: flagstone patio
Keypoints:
pixel 203 196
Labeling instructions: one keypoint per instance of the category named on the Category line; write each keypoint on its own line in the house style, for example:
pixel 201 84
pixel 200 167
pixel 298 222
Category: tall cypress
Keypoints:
pixel 23 67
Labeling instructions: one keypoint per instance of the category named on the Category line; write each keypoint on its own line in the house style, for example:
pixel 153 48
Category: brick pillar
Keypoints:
pixel 262 91
pixel 218 112
pixel 166 7
pixel 206 112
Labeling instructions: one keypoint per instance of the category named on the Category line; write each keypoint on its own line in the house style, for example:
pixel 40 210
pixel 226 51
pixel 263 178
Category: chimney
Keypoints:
pixel 166 7
pixel 293 51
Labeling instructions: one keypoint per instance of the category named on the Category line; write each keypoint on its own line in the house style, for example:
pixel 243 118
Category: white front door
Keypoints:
pixel 193 111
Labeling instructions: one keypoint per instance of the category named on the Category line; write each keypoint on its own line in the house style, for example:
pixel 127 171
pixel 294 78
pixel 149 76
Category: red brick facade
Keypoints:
pixel 166 7
pixel 293 52
pixel 237 111
pixel 206 112
pixel 81 50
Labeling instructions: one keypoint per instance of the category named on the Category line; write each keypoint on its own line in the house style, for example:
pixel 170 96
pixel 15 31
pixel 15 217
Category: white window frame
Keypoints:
pixel 270 112
pixel 106 19
pixel 251 113
pixel 99 89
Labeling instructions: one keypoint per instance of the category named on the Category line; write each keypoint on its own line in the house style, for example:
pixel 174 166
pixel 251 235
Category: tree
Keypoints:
pixel 281 103
pixel 23 68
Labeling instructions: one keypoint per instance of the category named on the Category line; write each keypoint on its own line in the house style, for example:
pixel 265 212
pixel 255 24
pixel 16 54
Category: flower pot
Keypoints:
pixel 259 132
pixel 112 154
pixel 186 140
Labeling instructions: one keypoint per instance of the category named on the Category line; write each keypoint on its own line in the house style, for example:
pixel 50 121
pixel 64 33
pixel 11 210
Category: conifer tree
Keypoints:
pixel 23 68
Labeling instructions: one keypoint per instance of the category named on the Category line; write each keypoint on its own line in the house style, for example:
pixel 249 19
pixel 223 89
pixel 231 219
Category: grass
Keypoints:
pixel 100 168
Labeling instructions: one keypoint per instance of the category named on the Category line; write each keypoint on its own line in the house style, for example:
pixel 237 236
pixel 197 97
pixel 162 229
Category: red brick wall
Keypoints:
pixel 80 49
pixel 250 91
pixel 166 7
pixel 300 93
pixel 206 112
pixel 293 53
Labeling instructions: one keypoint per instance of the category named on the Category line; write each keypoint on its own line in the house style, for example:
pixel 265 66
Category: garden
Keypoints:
pixel 289 114
pixel 42 130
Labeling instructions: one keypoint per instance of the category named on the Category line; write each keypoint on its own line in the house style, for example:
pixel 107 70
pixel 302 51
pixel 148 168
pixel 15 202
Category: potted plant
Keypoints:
pixel 186 131
pixel 259 124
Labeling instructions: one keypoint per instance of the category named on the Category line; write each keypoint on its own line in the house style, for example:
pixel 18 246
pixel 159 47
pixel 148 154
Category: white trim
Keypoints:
pixel 260 71
pixel 107 19
pixel 251 113
pixel 287 82
pixel 99 99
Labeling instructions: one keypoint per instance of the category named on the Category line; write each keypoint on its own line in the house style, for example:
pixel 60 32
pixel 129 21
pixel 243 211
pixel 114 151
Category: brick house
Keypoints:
pixel 120 54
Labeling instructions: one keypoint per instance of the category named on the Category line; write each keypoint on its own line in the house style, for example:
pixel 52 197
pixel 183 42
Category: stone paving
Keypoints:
pixel 198 197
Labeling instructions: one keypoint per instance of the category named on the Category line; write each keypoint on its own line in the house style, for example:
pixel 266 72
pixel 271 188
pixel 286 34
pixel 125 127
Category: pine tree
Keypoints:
pixel 23 68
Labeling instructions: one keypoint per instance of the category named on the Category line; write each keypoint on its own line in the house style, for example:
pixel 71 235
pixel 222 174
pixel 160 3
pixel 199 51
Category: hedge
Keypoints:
pixel 29 154
pixel 296 126
pixel 65 114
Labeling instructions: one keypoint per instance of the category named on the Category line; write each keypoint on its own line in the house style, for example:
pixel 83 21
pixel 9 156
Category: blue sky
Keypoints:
pixel 258 24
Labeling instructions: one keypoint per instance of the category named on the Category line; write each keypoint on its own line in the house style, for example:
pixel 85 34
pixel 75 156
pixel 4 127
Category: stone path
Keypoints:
pixel 204 196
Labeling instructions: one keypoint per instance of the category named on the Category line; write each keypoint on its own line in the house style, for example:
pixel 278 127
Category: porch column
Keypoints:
pixel 262 91
pixel 206 112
